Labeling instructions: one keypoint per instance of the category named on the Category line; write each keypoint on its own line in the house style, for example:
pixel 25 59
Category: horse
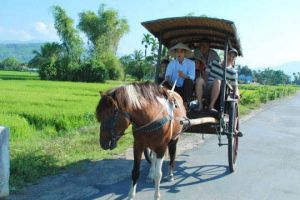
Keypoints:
pixel 154 113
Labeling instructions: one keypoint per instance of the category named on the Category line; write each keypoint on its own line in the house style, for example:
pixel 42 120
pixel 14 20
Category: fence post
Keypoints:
pixel 4 162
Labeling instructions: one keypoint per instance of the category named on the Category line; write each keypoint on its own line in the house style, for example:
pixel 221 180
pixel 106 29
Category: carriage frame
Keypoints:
pixel 222 35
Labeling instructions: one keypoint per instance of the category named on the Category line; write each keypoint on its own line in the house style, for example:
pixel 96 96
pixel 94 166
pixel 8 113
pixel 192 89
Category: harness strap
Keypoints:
pixel 155 125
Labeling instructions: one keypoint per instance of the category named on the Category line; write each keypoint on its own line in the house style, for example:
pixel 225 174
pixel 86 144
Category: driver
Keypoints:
pixel 182 71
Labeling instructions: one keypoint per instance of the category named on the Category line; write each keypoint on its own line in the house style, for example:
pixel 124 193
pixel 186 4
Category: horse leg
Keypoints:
pixel 172 153
pixel 135 171
pixel 150 177
pixel 158 173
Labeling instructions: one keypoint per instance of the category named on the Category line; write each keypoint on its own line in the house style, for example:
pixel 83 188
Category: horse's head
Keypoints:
pixel 113 121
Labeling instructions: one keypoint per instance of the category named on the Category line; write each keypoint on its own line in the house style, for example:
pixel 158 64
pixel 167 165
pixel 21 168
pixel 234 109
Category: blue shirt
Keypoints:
pixel 187 67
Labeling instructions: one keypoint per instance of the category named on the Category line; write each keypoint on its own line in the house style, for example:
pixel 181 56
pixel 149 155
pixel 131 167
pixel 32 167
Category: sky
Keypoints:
pixel 269 30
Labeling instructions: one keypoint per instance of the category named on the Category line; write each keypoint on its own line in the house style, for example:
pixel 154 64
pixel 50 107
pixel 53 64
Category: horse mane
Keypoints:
pixel 133 96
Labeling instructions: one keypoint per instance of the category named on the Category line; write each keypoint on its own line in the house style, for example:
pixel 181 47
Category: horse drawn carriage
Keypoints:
pixel 222 36
pixel 157 128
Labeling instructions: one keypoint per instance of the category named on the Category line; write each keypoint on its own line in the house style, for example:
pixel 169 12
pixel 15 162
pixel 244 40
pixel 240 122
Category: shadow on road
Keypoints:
pixel 111 179
pixel 184 177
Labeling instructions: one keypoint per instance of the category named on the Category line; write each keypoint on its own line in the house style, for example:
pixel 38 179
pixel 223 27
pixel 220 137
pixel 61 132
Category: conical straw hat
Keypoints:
pixel 172 51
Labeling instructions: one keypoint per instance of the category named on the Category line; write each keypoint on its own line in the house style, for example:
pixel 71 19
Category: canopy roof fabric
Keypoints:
pixel 190 30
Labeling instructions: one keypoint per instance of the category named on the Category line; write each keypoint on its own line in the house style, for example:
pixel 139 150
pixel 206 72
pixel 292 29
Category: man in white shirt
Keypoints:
pixel 182 71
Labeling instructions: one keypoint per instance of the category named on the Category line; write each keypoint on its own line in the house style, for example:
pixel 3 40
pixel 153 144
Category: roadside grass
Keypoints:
pixel 52 124
pixel 34 159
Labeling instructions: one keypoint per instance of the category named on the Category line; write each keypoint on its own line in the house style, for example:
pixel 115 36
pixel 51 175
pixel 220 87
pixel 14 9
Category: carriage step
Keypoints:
pixel 240 134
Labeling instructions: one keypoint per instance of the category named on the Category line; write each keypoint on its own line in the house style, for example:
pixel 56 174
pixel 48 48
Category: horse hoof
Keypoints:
pixel 170 178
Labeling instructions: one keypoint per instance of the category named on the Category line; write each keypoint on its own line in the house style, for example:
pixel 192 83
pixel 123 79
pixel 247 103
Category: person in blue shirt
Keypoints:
pixel 182 71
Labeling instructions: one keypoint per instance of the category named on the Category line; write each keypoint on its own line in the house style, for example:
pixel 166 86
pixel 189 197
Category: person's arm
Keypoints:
pixel 168 75
pixel 191 71
pixel 236 88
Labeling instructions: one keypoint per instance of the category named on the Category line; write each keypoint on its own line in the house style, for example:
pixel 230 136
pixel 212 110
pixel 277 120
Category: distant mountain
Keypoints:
pixel 289 68
pixel 22 51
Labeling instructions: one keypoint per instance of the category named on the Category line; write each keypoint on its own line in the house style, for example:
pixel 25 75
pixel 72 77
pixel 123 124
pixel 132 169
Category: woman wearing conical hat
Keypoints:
pixel 181 70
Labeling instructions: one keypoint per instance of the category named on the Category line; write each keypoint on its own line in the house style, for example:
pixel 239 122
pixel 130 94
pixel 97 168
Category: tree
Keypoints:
pixel 47 60
pixel 246 71
pixel 104 31
pixel 71 44
pixel 126 61
pixel 271 77
pixel 138 67
pixel 146 41
pixel 10 63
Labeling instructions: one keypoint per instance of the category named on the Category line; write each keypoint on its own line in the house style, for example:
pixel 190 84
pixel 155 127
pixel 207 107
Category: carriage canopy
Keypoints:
pixel 190 30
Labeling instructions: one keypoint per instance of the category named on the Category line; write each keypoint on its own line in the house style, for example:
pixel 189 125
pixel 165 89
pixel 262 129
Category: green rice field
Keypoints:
pixel 52 124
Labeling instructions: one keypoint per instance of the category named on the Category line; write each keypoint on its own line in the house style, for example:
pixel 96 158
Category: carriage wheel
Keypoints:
pixel 148 155
pixel 233 136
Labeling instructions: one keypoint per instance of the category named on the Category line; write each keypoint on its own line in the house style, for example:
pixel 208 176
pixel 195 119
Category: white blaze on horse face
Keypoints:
pixel 133 96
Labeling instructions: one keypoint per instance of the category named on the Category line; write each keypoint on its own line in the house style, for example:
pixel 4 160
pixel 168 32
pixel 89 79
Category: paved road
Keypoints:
pixel 268 163
pixel 268 167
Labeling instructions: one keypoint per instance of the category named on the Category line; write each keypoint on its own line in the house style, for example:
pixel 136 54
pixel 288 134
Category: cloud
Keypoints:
pixel 38 31
pixel 47 31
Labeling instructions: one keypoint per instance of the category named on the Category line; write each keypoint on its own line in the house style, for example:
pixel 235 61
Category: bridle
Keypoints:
pixel 110 125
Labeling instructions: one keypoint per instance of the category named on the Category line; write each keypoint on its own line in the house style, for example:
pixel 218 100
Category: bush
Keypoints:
pixel 113 66
pixel 48 71
pixel 91 71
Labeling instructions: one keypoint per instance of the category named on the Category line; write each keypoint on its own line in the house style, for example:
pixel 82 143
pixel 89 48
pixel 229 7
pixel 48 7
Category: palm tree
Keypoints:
pixel 154 46
pixel 46 60
pixel 146 41
pixel 50 52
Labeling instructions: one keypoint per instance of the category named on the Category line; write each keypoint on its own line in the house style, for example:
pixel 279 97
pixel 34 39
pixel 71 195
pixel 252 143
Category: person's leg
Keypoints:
pixel 187 90
pixel 180 91
pixel 199 91
pixel 214 93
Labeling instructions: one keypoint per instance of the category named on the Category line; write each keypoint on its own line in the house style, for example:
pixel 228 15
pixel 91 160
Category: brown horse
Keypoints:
pixel 154 113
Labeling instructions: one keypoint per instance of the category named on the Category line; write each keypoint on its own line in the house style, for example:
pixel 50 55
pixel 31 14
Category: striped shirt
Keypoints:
pixel 215 72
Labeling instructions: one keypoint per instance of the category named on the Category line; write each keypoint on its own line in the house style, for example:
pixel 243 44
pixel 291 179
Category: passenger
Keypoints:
pixel 208 53
pixel 181 70
pixel 199 66
pixel 162 71
pixel 214 73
